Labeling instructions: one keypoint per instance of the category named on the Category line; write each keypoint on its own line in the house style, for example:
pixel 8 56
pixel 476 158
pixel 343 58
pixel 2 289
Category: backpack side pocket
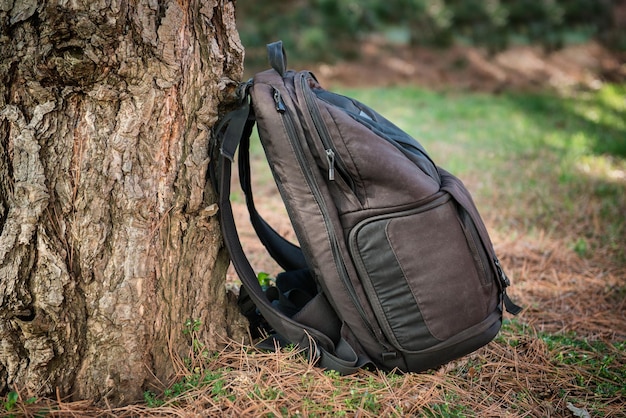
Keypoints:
pixel 419 269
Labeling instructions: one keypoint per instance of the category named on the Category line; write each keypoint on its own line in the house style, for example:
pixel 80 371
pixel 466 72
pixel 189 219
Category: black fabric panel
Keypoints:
pixel 393 299
pixel 461 344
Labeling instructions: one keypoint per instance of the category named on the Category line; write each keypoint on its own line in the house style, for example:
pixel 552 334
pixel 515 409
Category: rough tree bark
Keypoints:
pixel 108 236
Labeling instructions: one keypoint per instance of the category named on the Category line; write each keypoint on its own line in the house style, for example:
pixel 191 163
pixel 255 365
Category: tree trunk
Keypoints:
pixel 109 240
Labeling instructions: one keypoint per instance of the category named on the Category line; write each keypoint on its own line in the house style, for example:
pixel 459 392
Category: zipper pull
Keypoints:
pixel 330 157
pixel 509 305
pixel 501 274
pixel 280 105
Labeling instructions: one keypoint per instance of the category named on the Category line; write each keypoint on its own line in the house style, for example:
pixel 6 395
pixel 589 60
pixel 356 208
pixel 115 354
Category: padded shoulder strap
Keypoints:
pixel 288 255
pixel 239 124
pixel 321 348
pixel 277 57
pixel 282 324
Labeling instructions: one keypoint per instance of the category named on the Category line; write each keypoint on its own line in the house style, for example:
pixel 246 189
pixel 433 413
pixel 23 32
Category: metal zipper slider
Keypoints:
pixel 280 105
pixel 330 157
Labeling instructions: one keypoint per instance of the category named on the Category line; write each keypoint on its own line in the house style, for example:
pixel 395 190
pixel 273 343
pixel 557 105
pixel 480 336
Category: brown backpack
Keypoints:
pixel 395 267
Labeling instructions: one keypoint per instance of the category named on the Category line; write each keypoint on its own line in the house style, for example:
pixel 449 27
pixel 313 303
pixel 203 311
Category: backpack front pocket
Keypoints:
pixel 419 270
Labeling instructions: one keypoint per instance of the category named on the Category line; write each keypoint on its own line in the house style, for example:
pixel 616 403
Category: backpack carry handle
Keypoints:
pixel 277 57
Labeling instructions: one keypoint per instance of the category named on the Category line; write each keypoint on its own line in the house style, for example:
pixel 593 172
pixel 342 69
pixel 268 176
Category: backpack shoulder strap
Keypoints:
pixel 288 255
pixel 281 323
pixel 341 356
pixel 239 124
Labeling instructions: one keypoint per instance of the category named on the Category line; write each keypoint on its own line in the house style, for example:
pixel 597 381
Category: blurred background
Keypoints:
pixel 429 41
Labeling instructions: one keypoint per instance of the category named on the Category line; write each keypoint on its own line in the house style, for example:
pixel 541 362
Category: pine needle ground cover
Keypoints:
pixel 548 173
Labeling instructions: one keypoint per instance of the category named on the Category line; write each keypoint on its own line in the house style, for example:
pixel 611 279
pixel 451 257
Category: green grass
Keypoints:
pixel 586 372
pixel 599 363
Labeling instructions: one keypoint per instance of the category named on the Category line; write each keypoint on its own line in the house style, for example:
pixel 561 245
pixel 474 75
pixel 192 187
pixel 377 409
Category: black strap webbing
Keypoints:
pixel 510 306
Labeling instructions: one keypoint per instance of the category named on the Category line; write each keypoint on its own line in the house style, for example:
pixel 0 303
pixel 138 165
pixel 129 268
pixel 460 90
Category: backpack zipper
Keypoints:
pixel 504 280
pixel 476 243
pixel 332 157
pixel 280 106
pixel 339 263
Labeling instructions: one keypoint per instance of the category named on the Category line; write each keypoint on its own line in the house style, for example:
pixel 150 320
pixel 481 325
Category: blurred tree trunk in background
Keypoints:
pixel 108 236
